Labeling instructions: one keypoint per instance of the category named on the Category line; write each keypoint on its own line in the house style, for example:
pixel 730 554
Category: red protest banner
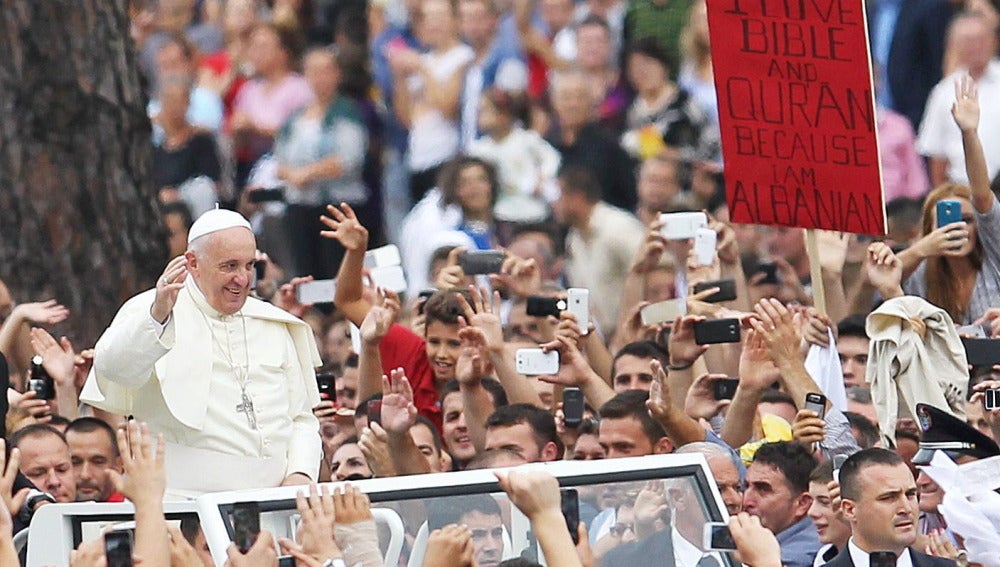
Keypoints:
pixel 796 111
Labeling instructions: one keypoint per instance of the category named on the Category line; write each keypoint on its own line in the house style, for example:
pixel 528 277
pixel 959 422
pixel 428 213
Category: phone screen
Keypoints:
pixel 118 548
pixel 571 511
pixel 246 525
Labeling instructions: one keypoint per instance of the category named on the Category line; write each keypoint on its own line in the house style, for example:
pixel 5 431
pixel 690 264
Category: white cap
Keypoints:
pixel 214 221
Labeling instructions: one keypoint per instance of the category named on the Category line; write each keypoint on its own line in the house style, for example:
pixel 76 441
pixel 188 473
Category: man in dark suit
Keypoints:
pixel 879 500
pixel 910 36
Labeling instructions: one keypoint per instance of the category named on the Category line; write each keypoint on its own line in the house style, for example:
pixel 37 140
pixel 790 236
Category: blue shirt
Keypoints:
pixel 799 544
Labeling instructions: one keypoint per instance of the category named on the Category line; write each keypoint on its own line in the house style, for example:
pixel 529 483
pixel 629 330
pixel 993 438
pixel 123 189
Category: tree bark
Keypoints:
pixel 78 216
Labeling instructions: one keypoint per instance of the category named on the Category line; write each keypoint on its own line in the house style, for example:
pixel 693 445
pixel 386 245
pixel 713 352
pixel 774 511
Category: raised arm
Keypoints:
pixel 144 483
pixel 374 329
pixel 346 229
pixel 398 416
pixel 757 373
pixel 142 332
pixel 536 494
pixel 14 331
pixel 965 111
pixel 484 314
pixel 680 427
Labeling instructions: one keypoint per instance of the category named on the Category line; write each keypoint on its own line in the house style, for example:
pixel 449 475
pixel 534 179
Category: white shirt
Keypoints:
pixel 599 259
pixel 434 138
pixel 860 556
pixel 939 135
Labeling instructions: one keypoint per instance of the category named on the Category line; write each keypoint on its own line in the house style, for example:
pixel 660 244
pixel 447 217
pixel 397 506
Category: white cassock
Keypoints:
pixel 226 428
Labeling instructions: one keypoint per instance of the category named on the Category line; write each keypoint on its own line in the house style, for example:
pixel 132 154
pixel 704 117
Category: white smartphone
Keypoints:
pixel 578 299
pixel 717 537
pixel 317 291
pixel 535 361
pixel 682 226
pixel 975 331
pixel 663 311
pixel 389 277
pixel 382 257
pixel 355 338
pixel 704 246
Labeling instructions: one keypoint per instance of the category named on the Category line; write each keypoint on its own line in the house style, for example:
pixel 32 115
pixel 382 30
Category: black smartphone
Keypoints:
pixel 39 380
pixel 725 389
pixel 572 399
pixel 571 511
pixel 727 290
pixel 246 525
pixel 477 262
pixel 541 306
pixel 717 331
pixel 259 267
pixel 118 548
pixel 325 383
pixel 816 403
pixel 374 411
pixel 991 399
pixel 882 559
pixel 266 195
pixel 770 271
pixel 286 561
pixel 982 352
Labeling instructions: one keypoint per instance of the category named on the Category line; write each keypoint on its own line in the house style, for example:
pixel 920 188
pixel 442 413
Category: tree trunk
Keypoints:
pixel 78 216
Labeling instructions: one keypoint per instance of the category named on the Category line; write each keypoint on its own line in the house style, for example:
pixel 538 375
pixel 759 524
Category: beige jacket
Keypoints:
pixel 915 356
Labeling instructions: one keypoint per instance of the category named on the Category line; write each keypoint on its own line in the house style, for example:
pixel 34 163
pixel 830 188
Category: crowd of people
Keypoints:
pixel 561 134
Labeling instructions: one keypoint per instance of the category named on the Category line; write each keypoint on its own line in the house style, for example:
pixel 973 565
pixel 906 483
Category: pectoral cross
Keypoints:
pixel 246 407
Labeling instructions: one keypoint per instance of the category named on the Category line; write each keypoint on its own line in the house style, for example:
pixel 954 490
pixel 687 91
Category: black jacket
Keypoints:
pixel 843 559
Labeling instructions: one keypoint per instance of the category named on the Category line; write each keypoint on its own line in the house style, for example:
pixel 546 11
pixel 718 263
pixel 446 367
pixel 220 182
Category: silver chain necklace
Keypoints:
pixel 242 372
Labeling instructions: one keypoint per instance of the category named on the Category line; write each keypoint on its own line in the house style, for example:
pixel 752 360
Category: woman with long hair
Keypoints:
pixel 957 266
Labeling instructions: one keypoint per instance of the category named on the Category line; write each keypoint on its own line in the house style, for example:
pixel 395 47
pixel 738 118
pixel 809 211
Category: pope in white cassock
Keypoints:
pixel 228 379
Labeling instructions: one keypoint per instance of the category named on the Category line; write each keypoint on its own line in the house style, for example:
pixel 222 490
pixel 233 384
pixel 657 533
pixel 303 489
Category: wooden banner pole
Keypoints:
pixel 815 271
